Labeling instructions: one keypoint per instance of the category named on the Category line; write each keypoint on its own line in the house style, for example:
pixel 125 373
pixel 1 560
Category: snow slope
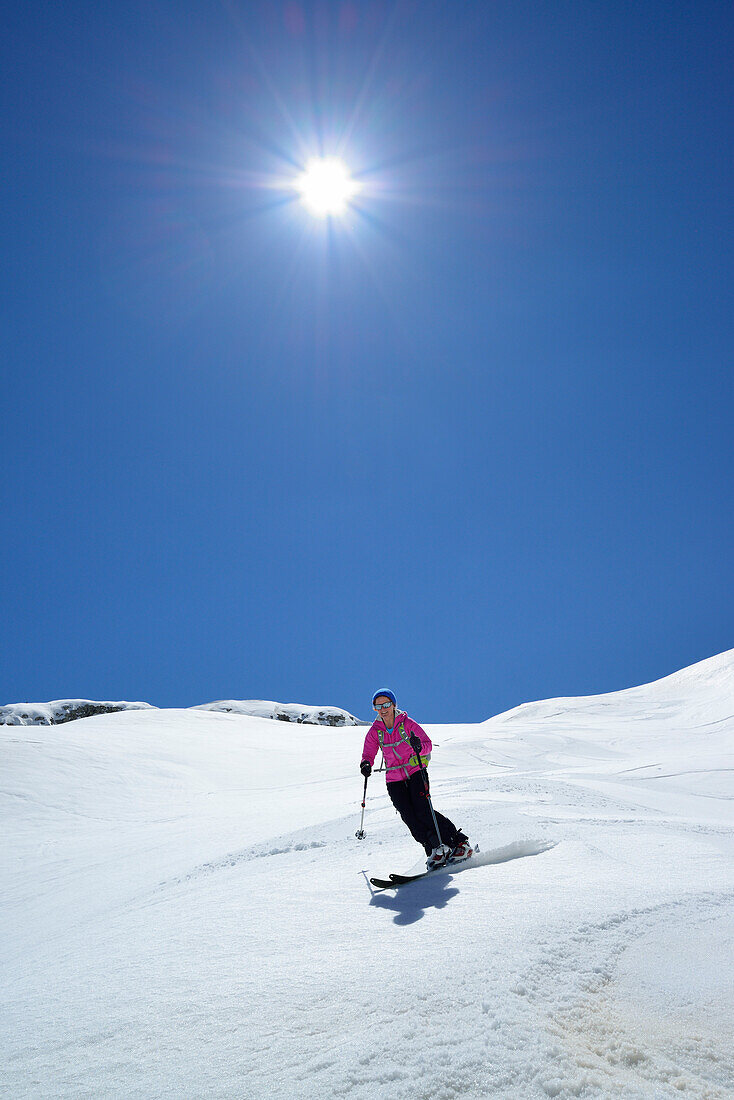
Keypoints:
pixel 185 910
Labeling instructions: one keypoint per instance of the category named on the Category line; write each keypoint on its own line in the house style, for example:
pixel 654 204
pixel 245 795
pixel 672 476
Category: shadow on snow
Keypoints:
pixel 410 901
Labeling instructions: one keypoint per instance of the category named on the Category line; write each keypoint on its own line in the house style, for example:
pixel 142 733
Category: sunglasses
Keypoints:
pixel 382 706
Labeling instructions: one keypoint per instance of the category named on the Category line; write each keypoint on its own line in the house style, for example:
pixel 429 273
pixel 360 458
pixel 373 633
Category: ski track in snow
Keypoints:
pixel 259 851
pixel 184 914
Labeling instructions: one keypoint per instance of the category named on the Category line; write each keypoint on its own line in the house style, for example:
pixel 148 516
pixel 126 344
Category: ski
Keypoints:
pixel 397 880
pixel 403 880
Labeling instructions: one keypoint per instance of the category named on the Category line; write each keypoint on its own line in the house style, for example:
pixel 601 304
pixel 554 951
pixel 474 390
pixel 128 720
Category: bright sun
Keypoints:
pixel 326 186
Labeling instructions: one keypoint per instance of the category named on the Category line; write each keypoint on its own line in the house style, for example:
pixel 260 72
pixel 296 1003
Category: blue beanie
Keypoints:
pixel 388 695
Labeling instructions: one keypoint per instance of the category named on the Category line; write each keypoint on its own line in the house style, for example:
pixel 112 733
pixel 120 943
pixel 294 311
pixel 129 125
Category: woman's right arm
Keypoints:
pixel 371 744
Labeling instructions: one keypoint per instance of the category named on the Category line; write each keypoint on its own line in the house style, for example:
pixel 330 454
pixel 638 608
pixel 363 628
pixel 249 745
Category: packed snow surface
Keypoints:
pixel 185 909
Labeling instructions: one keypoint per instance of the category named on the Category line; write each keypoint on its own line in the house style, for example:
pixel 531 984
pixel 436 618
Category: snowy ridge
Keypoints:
pixel 703 693
pixel 185 911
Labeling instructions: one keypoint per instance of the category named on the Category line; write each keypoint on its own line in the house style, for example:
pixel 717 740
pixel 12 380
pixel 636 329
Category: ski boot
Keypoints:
pixel 463 850
pixel 438 857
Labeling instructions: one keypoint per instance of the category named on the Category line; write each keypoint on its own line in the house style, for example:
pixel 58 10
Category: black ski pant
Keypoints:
pixel 408 796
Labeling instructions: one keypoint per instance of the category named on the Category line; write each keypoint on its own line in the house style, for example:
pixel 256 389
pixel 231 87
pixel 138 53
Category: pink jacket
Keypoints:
pixel 400 759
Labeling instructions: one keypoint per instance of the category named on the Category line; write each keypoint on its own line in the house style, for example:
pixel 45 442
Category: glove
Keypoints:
pixel 415 743
pixel 366 769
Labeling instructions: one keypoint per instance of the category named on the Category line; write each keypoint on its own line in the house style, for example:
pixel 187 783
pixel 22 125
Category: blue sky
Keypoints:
pixel 473 441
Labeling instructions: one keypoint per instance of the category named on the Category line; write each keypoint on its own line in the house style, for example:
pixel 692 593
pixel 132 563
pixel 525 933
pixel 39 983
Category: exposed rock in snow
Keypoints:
pixel 284 712
pixel 60 710
pixel 66 710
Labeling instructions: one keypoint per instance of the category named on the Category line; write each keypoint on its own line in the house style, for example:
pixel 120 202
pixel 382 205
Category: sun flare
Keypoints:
pixel 326 187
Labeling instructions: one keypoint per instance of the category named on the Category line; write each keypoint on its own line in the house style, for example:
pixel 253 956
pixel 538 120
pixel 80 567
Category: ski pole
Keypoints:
pixel 428 793
pixel 360 833
pixel 430 806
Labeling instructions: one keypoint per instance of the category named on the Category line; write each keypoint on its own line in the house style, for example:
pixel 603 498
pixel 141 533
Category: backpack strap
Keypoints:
pixel 414 761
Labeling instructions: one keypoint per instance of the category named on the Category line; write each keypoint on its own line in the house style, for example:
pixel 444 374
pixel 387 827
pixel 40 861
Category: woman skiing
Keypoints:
pixel 407 749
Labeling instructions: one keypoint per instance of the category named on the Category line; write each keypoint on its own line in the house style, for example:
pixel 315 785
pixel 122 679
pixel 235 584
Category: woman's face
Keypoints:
pixel 386 713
